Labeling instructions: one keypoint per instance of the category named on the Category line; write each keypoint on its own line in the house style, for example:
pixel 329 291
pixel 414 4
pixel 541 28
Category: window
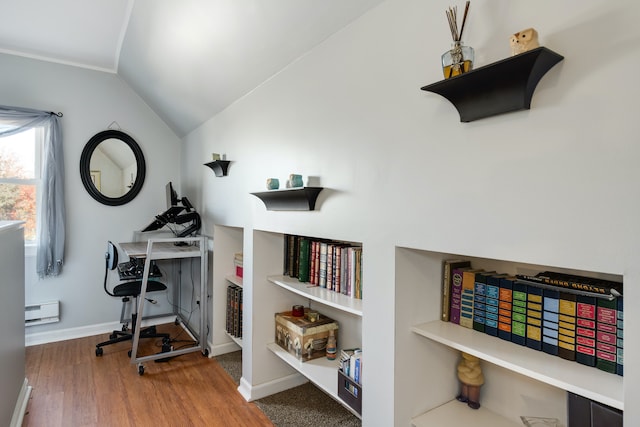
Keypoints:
pixel 20 169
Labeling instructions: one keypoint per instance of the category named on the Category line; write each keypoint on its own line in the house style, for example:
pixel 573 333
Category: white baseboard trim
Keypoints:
pixel 21 404
pixel 228 347
pixel 251 393
pixel 86 331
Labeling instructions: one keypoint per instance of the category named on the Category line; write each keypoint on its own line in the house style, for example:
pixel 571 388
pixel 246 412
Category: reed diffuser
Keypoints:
pixel 459 59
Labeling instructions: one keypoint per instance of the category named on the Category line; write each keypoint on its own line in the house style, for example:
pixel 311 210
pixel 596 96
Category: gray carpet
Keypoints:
pixel 302 406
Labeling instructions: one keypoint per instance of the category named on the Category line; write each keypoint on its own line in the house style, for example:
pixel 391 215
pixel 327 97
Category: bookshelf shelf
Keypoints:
pixel 219 167
pixel 236 280
pixel 571 376
pixel 321 372
pixel 455 414
pixel 290 199
pixel 497 88
pixel 236 340
pixel 318 294
pixel 518 380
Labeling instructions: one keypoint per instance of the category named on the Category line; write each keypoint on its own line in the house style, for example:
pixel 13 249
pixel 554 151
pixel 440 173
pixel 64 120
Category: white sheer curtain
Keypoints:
pixel 51 214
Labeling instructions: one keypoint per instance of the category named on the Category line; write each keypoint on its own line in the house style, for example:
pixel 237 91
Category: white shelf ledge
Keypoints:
pixel 234 339
pixel 567 375
pixel 236 280
pixel 321 295
pixel 456 414
pixel 321 372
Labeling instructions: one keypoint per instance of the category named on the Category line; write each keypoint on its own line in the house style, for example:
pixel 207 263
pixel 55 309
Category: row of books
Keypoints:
pixel 336 266
pixel 573 317
pixel 233 324
pixel 351 363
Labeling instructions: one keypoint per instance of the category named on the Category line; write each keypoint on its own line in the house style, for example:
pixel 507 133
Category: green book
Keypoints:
pixel 304 259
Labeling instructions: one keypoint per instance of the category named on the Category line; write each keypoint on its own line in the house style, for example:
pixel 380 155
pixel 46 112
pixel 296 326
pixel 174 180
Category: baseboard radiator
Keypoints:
pixel 38 314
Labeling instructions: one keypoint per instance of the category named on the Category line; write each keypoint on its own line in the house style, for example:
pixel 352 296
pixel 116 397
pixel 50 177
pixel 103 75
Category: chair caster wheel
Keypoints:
pixel 205 353
pixel 99 351
pixel 140 370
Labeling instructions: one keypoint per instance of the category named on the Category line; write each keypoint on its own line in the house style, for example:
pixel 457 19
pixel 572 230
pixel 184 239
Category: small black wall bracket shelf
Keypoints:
pixel 219 167
pixel 497 88
pixel 290 199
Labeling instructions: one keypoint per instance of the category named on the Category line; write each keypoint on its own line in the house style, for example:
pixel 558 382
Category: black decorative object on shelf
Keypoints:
pixel 290 199
pixel 219 167
pixel 497 88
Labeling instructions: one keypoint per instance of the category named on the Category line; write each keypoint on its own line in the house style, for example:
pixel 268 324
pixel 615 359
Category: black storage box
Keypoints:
pixel 350 392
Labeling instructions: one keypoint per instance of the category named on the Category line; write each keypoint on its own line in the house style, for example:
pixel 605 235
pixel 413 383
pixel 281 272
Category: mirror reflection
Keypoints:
pixel 112 167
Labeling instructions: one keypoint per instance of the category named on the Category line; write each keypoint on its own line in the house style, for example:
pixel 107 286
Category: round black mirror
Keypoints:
pixel 112 167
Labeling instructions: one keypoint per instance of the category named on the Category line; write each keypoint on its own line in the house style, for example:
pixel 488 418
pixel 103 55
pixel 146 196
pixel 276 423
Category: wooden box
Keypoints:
pixel 304 339
pixel 350 392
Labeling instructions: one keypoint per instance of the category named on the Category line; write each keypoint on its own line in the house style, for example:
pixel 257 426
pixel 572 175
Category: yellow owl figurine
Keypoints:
pixel 523 41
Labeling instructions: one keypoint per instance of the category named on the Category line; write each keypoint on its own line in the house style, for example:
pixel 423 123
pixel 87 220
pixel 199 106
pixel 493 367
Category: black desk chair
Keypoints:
pixel 127 290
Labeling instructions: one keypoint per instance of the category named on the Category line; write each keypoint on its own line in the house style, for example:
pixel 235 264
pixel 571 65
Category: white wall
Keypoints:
pixel 90 102
pixel 556 185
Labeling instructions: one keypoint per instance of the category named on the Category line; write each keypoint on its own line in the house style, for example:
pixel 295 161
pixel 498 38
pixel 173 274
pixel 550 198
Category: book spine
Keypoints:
pixel 550 319
pixel 303 260
pixel 479 302
pixel 466 298
pixel 567 326
pixel 447 272
pixel 344 270
pixel 229 311
pixel 456 293
pixel 586 330
pixel 519 314
pixel 285 261
pixel 322 270
pixel 337 266
pixel 313 251
pixel 505 308
pixel 534 317
pixel 330 248
pixel 358 273
pixel 619 343
pixel 492 305
pixel 606 334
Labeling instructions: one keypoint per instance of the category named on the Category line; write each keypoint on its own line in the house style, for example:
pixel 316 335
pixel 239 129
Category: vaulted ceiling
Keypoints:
pixel 187 59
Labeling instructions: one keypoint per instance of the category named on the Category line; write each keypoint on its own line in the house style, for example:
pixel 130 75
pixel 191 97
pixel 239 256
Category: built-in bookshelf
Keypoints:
pixel 518 380
pixel 270 368
pixel 228 241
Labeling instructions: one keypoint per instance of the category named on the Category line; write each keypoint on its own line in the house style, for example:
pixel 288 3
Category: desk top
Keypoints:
pixel 163 249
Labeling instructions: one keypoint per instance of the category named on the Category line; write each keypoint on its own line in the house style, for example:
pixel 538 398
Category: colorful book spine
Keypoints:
pixel 447 271
pixel 313 265
pixel 493 304
pixel 586 330
pixel 519 314
pixel 606 334
pixel 505 307
pixel 466 298
pixel 550 319
pixel 534 317
pixel 456 294
pixel 619 344
pixel 567 326
pixel 479 301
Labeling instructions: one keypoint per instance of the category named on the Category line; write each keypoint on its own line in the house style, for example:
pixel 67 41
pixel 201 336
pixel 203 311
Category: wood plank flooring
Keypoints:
pixel 74 388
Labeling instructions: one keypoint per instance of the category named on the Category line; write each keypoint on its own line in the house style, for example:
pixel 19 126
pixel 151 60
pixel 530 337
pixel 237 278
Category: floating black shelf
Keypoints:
pixel 219 167
pixel 290 199
pixel 497 88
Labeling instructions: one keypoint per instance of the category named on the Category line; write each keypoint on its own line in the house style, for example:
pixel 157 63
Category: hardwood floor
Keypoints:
pixel 74 388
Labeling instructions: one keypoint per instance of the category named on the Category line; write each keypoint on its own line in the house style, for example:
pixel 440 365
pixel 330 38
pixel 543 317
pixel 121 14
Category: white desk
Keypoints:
pixel 158 249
